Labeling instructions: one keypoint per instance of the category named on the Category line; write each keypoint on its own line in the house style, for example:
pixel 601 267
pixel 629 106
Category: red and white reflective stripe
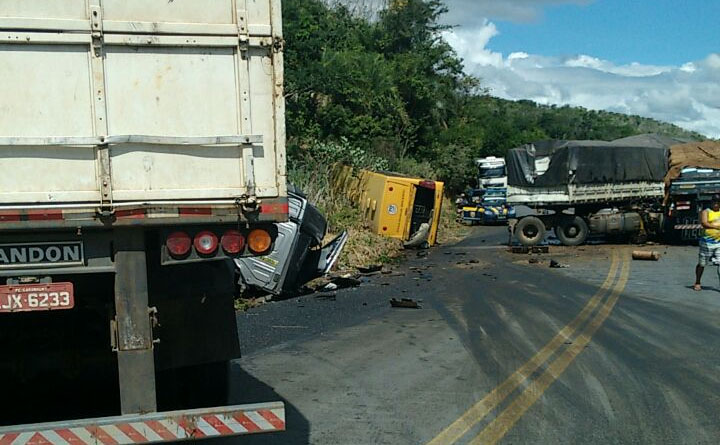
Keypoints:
pixel 688 226
pixel 15 216
pixel 152 428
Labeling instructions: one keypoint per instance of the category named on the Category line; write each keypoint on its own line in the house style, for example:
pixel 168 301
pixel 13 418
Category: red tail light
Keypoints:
pixel 178 244
pixel 233 242
pixel 428 185
pixel 206 243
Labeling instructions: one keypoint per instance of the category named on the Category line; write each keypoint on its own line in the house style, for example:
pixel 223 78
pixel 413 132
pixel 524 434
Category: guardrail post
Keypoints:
pixel 134 343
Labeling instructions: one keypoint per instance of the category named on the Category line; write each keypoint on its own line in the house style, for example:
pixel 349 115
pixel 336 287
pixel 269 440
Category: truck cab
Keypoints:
pixel 492 172
pixel 688 195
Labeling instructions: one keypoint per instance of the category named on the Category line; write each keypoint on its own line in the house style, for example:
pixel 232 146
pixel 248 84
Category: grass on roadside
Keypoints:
pixel 450 230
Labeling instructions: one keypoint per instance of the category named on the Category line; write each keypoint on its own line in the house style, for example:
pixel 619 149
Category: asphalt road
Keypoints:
pixel 503 351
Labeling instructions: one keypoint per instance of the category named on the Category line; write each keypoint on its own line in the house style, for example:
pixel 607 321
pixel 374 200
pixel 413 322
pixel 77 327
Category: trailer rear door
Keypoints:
pixel 106 101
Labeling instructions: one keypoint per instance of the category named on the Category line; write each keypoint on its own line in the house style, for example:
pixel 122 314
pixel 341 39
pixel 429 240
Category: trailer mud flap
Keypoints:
pixel 153 428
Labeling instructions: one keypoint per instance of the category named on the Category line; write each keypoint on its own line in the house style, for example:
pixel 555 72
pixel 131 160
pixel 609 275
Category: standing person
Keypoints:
pixel 709 241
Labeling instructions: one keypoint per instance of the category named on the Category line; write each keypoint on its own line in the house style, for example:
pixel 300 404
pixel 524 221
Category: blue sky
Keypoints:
pixel 656 32
pixel 654 58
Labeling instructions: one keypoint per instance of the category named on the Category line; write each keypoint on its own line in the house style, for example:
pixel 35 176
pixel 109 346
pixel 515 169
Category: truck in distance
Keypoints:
pixel 611 188
pixel 492 172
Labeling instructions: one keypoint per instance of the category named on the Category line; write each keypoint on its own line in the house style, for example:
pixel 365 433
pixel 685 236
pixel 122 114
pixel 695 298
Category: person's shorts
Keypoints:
pixel 709 254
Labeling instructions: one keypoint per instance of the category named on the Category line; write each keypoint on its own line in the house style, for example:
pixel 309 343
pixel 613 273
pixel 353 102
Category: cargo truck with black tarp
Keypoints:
pixel 580 188
pixel 142 148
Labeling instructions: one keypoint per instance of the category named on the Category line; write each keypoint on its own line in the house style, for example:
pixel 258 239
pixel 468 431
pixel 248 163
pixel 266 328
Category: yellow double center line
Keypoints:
pixel 507 418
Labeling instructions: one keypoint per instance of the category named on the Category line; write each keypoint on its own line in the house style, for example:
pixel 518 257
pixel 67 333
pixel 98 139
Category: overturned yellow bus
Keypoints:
pixel 394 205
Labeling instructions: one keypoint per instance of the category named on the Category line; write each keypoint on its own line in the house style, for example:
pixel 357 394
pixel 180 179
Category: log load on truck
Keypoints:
pixel 583 187
pixel 142 146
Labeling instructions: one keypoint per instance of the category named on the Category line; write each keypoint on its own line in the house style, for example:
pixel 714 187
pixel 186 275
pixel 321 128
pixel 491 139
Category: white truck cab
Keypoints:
pixel 492 172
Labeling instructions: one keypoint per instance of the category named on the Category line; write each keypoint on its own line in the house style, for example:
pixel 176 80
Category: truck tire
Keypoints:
pixel 530 231
pixel 572 231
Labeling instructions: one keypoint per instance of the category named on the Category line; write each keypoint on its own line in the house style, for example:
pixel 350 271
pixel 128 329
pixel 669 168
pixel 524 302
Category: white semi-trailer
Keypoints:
pixel 142 147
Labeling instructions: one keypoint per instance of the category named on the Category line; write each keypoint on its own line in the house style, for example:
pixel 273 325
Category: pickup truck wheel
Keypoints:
pixel 530 231
pixel 572 231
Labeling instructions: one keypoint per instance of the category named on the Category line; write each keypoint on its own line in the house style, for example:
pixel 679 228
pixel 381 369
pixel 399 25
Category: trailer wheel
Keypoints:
pixel 572 231
pixel 530 231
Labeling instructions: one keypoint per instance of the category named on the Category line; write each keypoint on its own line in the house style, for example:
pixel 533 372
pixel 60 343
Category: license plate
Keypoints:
pixel 36 297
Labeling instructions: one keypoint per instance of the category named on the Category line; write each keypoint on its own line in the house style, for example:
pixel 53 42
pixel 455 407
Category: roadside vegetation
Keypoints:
pixel 385 91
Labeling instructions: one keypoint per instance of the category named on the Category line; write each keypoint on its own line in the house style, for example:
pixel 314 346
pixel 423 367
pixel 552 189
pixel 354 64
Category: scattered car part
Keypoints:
pixel 405 303
pixel 371 269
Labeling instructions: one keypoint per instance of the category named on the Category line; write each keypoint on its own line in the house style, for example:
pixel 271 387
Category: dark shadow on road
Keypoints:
pixel 246 389
pixel 704 288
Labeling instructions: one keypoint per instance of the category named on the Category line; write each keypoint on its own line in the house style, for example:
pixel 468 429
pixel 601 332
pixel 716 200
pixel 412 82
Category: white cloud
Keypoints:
pixel 473 45
pixel 465 12
pixel 687 95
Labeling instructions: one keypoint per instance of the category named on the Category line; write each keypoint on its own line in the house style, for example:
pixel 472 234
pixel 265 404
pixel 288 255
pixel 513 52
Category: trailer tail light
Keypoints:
pixel 259 241
pixel 178 244
pixel 206 243
pixel 232 242
pixel 428 185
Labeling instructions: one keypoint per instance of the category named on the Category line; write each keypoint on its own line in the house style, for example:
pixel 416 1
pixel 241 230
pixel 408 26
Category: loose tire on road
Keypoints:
pixel 530 231
pixel 572 231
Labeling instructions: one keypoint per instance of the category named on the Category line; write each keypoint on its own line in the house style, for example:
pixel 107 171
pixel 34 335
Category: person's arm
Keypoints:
pixel 707 224
pixel 704 220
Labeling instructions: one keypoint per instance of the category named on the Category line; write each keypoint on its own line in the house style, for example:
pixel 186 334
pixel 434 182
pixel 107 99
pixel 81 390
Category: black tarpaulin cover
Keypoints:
pixel 638 158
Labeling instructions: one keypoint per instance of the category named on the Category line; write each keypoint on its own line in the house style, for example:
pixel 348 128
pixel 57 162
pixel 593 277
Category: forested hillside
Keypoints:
pixel 391 93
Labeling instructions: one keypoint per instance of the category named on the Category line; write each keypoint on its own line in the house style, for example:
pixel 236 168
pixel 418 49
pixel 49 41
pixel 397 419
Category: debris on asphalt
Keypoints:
pixel 405 303
pixel 396 274
pixel 534 260
pixel 646 255
pixel 555 265
pixel 467 264
pixel 374 268
pixel 330 287
pixel 528 249
pixel 422 254
pixel 341 282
